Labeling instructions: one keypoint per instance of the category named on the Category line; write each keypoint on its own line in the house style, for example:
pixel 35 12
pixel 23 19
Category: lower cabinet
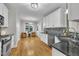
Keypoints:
pixel 55 52
pixel 43 37
pixel 51 40
pixel 12 42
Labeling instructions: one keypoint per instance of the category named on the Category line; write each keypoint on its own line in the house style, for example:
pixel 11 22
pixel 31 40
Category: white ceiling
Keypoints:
pixel 25 11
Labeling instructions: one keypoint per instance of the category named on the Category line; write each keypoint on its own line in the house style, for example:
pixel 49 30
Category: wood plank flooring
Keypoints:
pixel 31 46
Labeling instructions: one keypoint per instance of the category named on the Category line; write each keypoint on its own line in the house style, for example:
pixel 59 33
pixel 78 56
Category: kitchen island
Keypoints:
pixel 68 45
pixel 67 48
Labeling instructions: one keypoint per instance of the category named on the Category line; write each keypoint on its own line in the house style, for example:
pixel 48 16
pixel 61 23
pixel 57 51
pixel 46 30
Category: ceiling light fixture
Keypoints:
pixel 34 5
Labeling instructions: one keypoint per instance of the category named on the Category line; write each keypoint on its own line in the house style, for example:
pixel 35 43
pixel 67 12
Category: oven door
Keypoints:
pixel 7 48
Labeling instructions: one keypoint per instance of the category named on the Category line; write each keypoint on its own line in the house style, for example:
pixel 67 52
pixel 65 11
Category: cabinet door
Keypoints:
pixel 12 42
pixel 46 22
pixel 5 14
pixel 51 20
pixel 73 11
pixel 6 18
pixel 51 40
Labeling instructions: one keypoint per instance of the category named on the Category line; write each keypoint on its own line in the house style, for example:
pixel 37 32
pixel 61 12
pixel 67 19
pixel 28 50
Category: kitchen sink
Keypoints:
pixel 64 38
pixel 75 41
pixel 68 39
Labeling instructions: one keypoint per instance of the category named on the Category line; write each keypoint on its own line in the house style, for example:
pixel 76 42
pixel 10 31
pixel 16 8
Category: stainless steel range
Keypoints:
pixel 6 46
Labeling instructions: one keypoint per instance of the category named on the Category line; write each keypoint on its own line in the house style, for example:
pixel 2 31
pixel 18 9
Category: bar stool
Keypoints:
pixel 23 35
pixel 33 34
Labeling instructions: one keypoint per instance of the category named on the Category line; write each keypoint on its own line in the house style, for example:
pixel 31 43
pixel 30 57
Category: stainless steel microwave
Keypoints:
pixel 1 20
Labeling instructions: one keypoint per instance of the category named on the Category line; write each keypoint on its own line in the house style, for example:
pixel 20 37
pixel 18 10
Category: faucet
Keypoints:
pixel 75 35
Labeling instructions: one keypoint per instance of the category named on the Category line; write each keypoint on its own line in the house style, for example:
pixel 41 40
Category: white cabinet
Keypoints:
pixel 73 11
pixel 55 52
pixel 53 19
pixel 43 37
pixel 12 42
pixel 0 48
pixel 4 12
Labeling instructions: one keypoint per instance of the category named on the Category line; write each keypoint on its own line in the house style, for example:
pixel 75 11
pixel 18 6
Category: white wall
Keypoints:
pixel 11 22
pixel 11 29
pixel 17 28
pixel 40 25
pixel 73 11
pixel 74 26
pixel 13 25
pixel 73 15
pixel 22 26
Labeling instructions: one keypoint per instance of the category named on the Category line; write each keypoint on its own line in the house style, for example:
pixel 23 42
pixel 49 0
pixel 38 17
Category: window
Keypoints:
pixel 28 27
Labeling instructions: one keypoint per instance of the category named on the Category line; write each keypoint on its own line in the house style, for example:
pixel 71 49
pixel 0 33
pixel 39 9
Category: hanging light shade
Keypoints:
pixel 34 5
pixel 66 8
pixel 66 11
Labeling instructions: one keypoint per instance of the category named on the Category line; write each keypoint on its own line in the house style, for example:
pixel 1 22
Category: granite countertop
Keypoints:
pixel 67 48
pixel 69 39
pixel 3 36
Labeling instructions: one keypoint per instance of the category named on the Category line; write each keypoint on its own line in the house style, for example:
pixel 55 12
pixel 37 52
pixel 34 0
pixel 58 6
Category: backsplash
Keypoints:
pixel 3 31
pixel 54 31
pixel 74 25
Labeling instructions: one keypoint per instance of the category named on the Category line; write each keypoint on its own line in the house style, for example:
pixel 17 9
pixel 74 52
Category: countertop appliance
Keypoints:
pixel 1 20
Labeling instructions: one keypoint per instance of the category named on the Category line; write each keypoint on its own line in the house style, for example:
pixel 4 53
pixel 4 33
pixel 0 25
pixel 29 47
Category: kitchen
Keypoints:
pixel 57 26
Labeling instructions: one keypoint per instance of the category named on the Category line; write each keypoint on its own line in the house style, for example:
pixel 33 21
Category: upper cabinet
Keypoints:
pixel 73 11
pixel 54 19
pixel 4 12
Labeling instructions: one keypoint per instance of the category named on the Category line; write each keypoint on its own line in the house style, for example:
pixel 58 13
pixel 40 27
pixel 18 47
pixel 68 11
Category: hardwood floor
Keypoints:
pixel 31 46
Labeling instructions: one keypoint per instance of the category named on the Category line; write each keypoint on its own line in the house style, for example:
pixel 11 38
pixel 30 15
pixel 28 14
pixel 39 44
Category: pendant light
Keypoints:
pixel 67 21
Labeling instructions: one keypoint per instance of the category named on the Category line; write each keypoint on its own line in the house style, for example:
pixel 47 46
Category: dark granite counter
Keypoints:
pixel 67 48
pixel 3 36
